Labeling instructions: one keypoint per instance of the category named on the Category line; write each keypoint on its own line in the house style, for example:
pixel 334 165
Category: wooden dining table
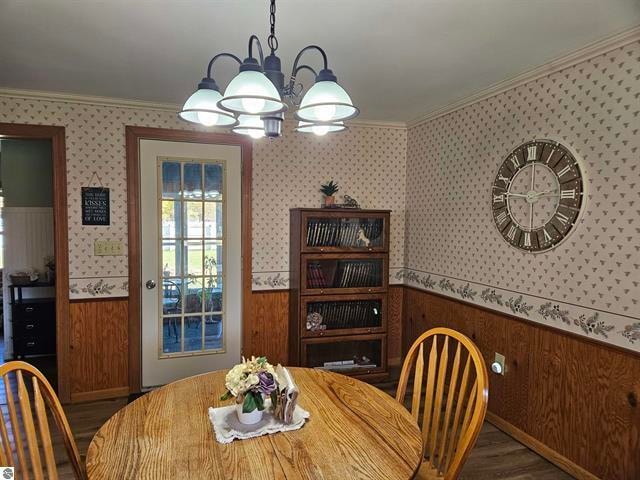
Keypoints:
pixel 355 431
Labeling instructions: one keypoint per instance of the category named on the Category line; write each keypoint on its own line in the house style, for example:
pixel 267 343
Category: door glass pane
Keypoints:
pixel 213 219
pixel 171 335
pixel 193 295
pixel 171 219
pixel 213 332
pixel 192 333
pixel 213 257
pixel 193 225
pixel 213 294
pixel 191 256
pixel 192 180
pixel 171 258
pixel 213 182
pixel 170 180
pixel 171 297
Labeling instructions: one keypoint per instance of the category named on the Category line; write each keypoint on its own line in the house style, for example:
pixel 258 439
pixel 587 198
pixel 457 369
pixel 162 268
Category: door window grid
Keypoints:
pixel 191 202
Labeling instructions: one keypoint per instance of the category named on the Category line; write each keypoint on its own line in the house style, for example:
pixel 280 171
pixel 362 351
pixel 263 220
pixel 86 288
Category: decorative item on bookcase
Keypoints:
pixel 250 382
pixel 349 202
pixel 314 322
pixel 329 189
pixel 339 263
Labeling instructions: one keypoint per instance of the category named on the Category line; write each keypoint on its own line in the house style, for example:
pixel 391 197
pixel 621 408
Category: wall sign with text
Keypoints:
pixel 96 208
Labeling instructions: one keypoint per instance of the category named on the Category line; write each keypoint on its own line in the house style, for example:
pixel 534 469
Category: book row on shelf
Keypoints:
pixel 348 274
pixel 343 233
pixel 351 314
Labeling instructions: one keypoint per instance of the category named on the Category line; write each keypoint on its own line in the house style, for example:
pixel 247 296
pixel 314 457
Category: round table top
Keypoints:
pixel 355 431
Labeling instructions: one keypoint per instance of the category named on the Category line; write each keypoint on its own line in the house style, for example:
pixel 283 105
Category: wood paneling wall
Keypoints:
pixel 573 400
pixel 99 349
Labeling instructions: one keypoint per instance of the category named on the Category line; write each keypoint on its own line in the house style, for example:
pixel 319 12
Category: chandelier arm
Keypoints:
pixel 305 67
pixel 210 66
pixel 255 38
pixel 300 53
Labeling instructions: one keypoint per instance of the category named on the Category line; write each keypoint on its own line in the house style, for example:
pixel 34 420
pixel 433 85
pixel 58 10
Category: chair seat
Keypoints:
pixel 427 472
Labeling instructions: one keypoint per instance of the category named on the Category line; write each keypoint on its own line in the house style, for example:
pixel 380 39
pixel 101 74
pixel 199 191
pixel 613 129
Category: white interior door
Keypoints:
pixel 191 259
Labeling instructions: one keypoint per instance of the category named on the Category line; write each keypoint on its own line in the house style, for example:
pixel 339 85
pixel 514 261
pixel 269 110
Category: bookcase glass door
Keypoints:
pixel 191 197
pixel 327 273
pixel 349 356
pixel 345 233
pixel 326 316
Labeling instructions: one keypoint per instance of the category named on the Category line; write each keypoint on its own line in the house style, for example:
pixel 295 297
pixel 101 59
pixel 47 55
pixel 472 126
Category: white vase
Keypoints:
pixel 248 418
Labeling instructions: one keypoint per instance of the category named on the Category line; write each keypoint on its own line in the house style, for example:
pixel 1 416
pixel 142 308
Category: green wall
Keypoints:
pixel 26 172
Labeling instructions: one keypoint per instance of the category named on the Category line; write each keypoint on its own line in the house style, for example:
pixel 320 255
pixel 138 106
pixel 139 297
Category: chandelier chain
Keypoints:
pixel 272 41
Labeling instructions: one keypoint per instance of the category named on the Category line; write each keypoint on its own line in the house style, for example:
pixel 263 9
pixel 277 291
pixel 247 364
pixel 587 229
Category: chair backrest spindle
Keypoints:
pixel 31 464
pixel 455 397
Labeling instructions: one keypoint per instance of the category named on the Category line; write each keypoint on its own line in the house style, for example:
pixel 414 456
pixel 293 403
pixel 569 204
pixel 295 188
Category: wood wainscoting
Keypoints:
pixel 99 348
pixel 572 400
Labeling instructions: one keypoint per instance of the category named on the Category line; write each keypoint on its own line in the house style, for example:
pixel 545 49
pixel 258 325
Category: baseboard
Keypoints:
pixel 117 392
pixel 540 448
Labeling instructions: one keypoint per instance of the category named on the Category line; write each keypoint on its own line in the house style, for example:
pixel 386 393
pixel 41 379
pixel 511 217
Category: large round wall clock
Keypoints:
pixel 537 195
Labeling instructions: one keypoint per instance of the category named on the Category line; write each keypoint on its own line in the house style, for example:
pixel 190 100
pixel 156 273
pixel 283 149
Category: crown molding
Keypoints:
pixel 141 104
pixel 568 60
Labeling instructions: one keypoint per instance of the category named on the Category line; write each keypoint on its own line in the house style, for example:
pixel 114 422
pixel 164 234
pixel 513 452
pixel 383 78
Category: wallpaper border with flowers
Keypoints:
pixel 620 330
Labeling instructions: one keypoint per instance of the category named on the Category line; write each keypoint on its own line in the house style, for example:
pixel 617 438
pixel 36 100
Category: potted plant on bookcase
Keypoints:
pixel 329 190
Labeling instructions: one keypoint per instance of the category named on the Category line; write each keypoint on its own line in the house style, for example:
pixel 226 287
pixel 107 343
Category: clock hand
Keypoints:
pixel 523 195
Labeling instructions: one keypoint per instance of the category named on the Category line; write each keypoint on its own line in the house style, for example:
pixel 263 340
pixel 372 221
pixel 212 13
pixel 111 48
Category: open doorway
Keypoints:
pixel 28 253
pixel 35 274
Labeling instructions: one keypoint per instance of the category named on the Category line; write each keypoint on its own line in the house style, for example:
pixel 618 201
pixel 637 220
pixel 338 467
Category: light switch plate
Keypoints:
pixel 108 248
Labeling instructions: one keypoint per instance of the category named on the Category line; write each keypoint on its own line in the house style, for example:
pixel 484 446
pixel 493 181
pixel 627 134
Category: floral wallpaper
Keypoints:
pixel 367 162
pixel 590 284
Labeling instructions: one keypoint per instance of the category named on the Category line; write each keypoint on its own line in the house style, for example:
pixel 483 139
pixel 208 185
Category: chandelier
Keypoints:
pixel 256 99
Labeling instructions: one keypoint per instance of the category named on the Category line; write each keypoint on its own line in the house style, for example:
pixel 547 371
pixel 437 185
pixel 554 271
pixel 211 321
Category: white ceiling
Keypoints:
pixel 399 59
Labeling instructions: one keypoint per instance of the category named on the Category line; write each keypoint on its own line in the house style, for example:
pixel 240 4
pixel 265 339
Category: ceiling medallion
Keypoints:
pixel 255 100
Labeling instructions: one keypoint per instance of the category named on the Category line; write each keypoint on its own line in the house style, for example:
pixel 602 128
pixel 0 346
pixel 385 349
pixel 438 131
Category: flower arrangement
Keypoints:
pixel 250 382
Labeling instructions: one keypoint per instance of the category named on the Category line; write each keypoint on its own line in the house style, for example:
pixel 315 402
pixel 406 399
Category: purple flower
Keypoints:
pixel 267 383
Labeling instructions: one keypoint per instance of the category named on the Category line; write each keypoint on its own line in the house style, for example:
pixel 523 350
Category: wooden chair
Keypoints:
pixel 18 434
pixel 455 398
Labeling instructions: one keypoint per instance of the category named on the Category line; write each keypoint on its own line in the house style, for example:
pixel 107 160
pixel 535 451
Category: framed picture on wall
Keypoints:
pixel 96 208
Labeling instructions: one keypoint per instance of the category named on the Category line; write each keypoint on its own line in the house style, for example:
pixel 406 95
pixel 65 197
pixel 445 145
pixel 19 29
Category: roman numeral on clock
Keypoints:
pixel 498 198
pixel 504 179
pixel 501 217
pixel 562 218
pixel 527 239
pixel 511 234
pixel 516 163
pixel 568 194
pixel 547 237
pixel 564 171
pixel 531 153
pixel 553 150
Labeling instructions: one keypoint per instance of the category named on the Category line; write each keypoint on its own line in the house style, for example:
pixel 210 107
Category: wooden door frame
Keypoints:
pixel 133 137
pixel 61 246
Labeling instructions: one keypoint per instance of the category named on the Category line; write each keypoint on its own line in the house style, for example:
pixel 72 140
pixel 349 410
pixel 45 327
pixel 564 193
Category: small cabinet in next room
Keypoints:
pixel 339 290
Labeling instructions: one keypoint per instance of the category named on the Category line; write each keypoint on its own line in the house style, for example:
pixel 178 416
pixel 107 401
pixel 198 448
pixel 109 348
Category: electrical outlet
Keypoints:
pixel 498 365
pixel 108 248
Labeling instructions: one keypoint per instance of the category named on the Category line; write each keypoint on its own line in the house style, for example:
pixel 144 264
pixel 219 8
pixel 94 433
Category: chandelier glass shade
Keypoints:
pixel 251 93
pixel 251 125
pixel 255 100
pixel 319 128
pixel 326 101
pixel 202 108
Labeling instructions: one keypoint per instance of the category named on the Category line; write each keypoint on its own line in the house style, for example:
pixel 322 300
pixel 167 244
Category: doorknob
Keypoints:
pixel 150 284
